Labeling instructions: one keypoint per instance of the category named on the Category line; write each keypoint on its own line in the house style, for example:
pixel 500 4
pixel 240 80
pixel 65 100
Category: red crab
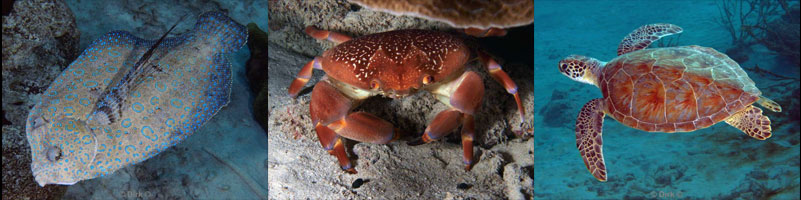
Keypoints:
pixel 394 64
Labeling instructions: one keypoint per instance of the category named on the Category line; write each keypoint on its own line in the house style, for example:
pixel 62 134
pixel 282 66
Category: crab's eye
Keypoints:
pixel 428 79
pixel 374 85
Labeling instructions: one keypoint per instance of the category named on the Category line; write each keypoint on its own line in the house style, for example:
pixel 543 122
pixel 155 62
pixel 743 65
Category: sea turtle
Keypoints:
pixel 672 89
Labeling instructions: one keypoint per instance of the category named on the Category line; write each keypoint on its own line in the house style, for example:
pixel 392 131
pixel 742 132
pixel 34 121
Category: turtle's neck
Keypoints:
pixel 593 71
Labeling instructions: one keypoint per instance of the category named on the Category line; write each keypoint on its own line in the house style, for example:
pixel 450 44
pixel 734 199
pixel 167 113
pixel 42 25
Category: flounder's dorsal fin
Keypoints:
pixel 107 110
pixel 644 36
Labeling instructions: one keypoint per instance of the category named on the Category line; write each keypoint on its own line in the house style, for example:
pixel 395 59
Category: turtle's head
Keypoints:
pixel 580 68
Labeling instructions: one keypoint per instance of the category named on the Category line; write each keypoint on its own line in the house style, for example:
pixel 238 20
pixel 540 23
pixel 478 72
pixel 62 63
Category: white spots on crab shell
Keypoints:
pixel 398 47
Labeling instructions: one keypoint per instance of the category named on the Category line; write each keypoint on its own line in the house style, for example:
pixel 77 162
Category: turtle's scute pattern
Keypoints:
pixel 191 84
pixel 675 89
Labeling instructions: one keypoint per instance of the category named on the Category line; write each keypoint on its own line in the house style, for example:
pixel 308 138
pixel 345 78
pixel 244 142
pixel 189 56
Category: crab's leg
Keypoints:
pixel 485 32
pixel 329 109
pixel 464 96
pixel 499 75
pixel 442 125
pixel 303 76
pixel 335 146
pixel 326 35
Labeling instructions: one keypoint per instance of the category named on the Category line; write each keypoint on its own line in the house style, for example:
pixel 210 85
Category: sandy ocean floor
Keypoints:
pixel 716 162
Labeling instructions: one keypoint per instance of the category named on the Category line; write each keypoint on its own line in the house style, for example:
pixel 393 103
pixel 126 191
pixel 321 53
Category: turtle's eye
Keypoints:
pixel 53 153
pixel 428 79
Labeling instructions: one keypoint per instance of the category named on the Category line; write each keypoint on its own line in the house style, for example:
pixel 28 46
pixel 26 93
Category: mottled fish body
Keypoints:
pixel 101 114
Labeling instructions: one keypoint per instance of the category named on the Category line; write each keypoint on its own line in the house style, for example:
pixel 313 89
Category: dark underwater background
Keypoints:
pixel 719 162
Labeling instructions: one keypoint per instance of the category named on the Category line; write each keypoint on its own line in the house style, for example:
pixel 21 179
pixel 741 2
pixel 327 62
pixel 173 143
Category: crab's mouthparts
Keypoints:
pixel 396 94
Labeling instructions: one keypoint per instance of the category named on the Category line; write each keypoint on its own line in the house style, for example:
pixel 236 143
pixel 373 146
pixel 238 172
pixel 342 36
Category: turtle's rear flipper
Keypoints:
pixel 751 121
pixel 588 138
pixel 769 104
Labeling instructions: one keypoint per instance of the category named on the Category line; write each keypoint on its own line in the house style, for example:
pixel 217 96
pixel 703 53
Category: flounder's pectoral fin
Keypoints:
pixel 589 125
pixel 642 37
pixel 751 121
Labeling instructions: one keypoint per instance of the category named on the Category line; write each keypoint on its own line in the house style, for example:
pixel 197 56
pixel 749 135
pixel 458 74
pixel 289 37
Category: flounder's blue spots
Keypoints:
pixel 153 138
pixel 84 101
pixel 170 122
pixel 154 100
pixel 128 150
pixel 177 103
pixel 52 93
pixel 137 94
pixel 78 72
pixel 126 123
pixel 86 141
pixel 90 84
pixel 106 81
pixel 70 127
pixel 70 97
pixel 55 101
pixel 68 111
pixel 163 87
pixel 114 54
pixel 137 107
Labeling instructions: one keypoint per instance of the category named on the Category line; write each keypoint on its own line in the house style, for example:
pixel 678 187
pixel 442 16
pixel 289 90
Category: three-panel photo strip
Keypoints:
pixel 401 99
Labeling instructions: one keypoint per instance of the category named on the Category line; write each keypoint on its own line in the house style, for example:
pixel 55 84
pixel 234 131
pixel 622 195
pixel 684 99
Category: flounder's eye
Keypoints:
pixel 428 79
pixel 374 85
pixel 53 153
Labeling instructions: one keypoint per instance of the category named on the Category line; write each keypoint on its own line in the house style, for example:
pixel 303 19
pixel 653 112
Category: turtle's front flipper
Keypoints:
pixel 644 36
pixel 588 138
pixel 769 104
pixel 751 121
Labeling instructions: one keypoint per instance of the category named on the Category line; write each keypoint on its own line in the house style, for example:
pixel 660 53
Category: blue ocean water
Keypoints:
pixel 716 162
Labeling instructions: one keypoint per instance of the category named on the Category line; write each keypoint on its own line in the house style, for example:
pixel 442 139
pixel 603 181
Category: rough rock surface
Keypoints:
pixel 300 168
pixel 289 18
pixel 39 40
pixel 256 72
pixel 149 19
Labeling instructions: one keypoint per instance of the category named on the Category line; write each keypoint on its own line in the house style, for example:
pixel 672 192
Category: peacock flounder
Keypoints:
pixel 125 99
